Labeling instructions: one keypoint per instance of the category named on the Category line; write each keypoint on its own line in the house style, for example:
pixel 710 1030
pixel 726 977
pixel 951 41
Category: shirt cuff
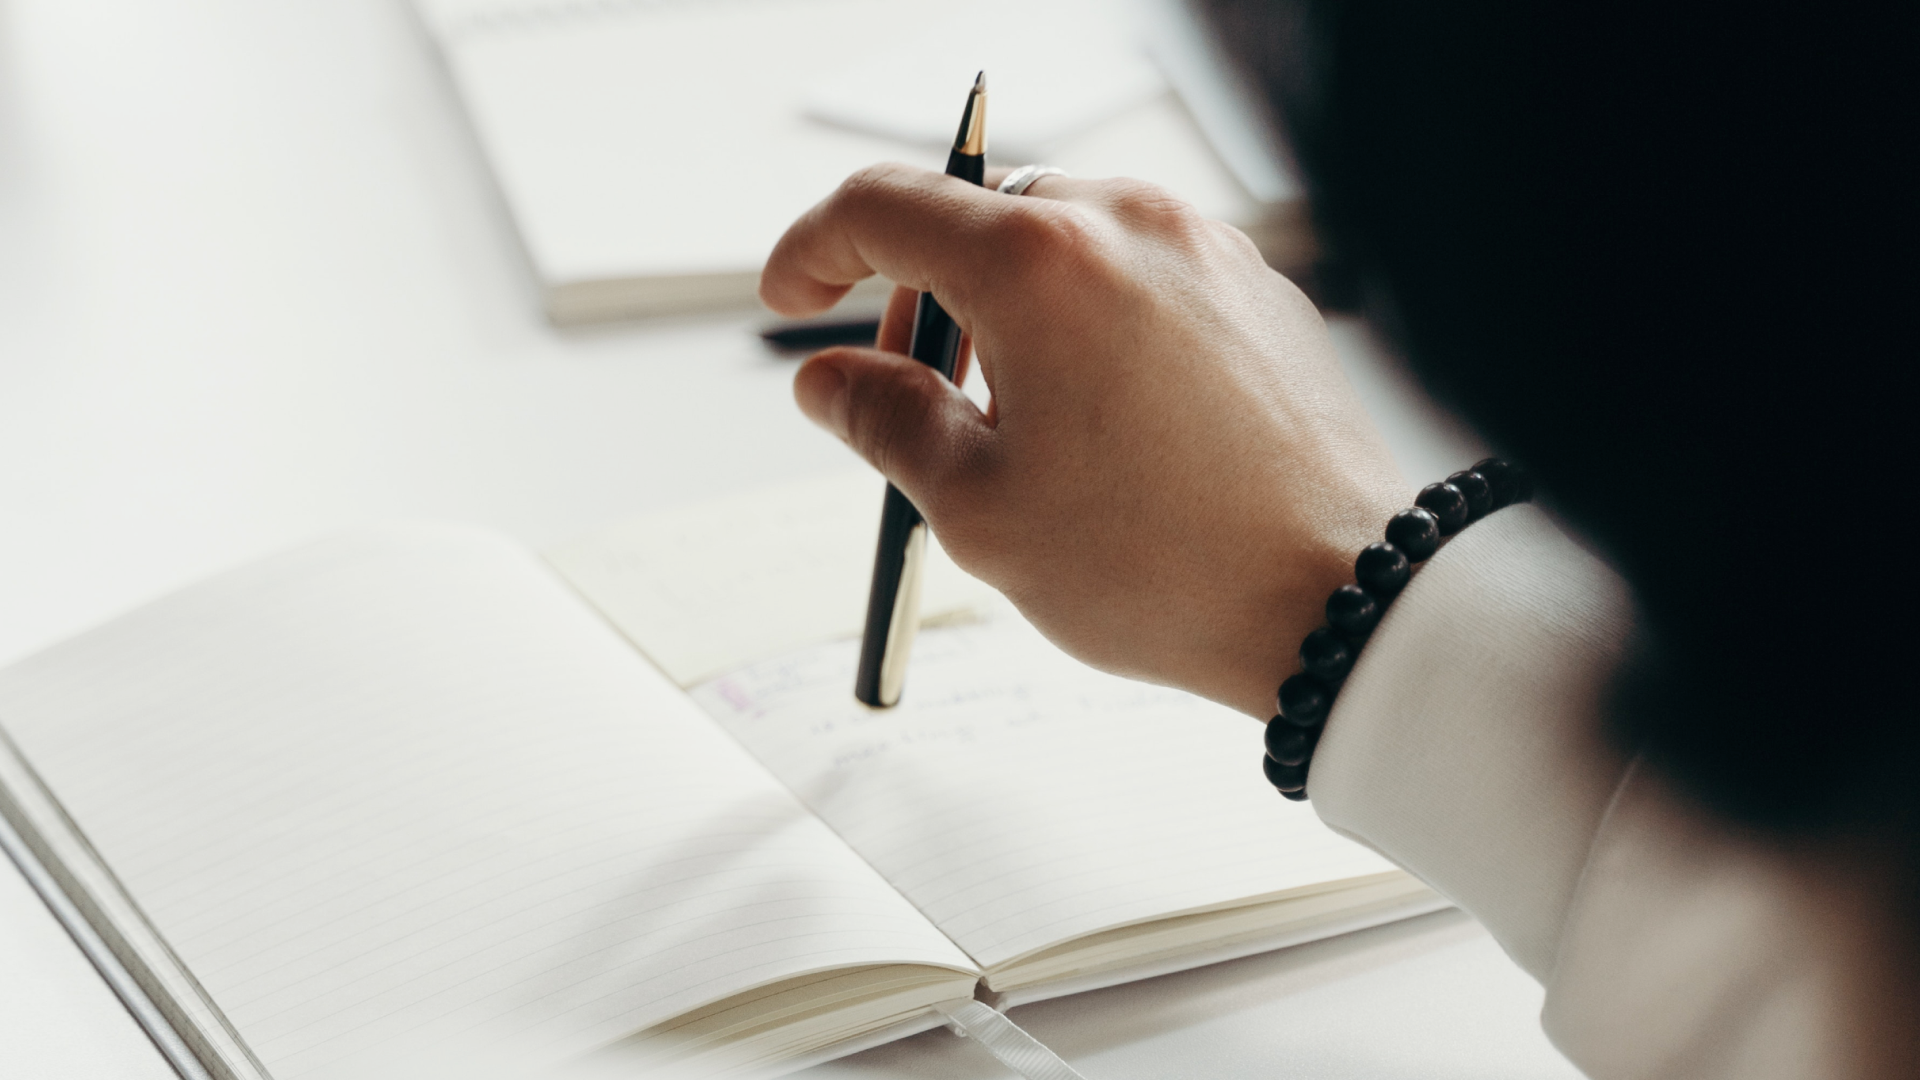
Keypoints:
pixel 1466 744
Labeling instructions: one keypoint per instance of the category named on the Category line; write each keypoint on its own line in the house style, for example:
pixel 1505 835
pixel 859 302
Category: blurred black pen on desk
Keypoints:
pixel 893 605
pixel 810 335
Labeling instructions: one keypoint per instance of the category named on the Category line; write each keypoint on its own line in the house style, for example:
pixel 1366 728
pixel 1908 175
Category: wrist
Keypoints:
pixel 1262 640
pixel 1381 571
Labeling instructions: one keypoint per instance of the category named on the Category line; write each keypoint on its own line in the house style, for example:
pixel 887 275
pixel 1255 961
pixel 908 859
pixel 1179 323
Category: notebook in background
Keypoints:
pixel 652 151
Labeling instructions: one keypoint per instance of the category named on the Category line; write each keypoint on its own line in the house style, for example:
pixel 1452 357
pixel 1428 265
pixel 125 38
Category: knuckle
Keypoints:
pixel 1235 240
pixel 1049 233
pixel 1154 209
pixel 872 181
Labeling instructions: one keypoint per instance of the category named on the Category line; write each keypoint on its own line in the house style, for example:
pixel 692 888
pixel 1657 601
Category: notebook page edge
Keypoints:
pixel 1154 941
pixel 1118 930
pixel 55 841
pixel 879 999
pixel 1382 915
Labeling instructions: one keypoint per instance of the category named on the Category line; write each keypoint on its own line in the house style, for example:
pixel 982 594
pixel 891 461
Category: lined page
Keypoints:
pixel 1021 799
pixel 707 588
pixel 405 785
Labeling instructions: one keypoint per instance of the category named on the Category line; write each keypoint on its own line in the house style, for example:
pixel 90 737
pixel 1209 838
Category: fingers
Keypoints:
pixel 899 415
pixel 888 219
pixel 923 230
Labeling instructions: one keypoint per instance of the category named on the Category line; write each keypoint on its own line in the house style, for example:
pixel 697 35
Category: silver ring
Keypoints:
pixel 1022 178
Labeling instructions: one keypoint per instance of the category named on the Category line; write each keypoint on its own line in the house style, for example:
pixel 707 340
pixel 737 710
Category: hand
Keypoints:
pixel 1173 473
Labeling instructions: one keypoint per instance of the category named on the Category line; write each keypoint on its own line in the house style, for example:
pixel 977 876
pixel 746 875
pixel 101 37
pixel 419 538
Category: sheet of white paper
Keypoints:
pixel 1020 798
pixel 660 139
pixel 640 143
pixel 1054 69
pixel 402 785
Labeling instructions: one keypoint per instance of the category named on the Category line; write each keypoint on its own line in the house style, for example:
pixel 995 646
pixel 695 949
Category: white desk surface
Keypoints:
pixel 254 285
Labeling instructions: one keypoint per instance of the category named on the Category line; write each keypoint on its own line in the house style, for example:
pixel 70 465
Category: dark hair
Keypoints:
pixel 1664 254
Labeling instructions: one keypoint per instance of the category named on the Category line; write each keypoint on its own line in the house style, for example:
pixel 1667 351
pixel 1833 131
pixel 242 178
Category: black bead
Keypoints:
pixel 1326 656
pixel 1353 610
pixel 1289 745
pixel 1304 701
pixel 1382 569
pixel 1416 532
pixel 1448 503
pixel 1510 482
pixel 1479 493
pixel 1295 796
pixel 1285 777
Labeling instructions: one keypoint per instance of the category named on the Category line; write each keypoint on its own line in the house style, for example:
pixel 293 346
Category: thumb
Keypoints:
pixel 896 412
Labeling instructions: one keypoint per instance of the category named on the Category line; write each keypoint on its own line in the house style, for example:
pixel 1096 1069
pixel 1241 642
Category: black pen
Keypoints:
pixel 893 607
pixel 795 337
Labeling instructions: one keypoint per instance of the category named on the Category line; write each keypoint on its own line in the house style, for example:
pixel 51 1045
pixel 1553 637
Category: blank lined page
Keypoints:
pixel 405 785
pixel 1020 798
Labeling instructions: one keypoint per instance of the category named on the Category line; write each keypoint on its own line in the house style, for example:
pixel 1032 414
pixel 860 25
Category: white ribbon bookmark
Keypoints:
pixel 1003 1038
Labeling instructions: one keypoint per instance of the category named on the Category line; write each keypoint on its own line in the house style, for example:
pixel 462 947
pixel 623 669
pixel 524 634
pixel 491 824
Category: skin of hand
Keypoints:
pixel 1173 473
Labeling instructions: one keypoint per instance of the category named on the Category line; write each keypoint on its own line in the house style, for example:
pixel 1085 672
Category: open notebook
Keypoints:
pixel 405 789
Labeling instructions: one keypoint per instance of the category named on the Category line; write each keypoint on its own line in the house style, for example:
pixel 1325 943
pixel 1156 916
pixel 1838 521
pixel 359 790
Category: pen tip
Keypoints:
pixel 972 137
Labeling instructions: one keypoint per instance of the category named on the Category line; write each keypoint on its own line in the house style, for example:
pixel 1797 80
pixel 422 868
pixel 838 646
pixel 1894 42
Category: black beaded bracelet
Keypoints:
pixel 1381 571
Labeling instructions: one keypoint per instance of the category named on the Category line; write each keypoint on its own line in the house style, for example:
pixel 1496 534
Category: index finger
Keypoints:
pixel 921 229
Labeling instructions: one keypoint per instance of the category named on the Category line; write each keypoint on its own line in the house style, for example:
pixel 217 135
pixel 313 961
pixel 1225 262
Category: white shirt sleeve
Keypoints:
pixel 1467 745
